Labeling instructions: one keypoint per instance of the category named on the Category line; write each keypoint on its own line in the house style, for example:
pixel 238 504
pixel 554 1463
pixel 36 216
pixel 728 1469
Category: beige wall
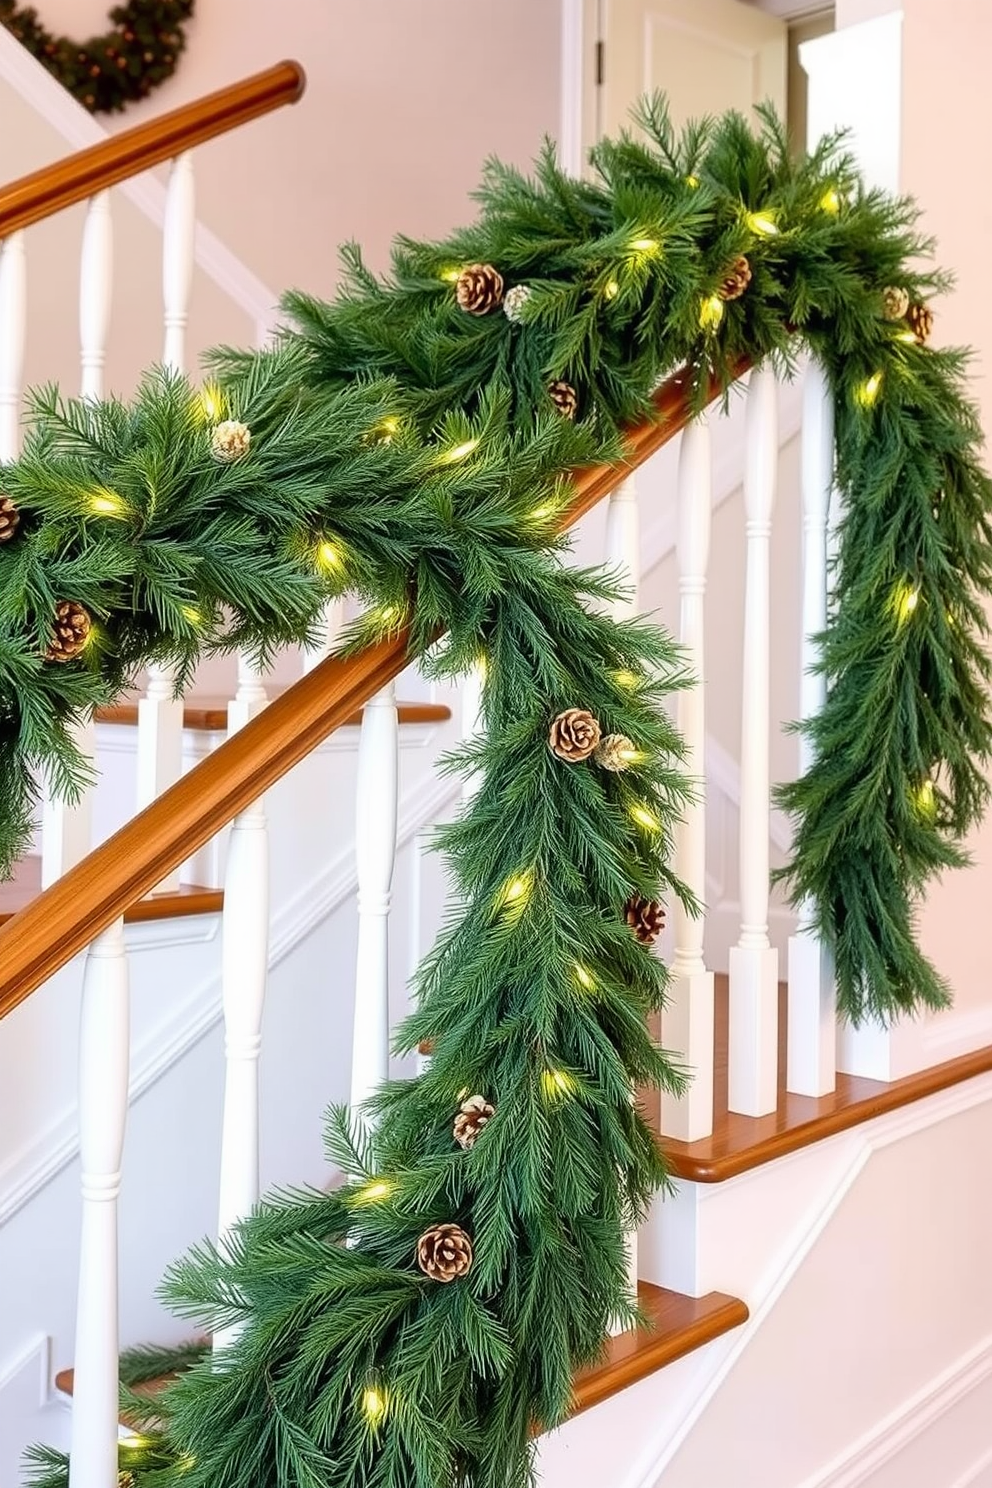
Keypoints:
pixel 404 102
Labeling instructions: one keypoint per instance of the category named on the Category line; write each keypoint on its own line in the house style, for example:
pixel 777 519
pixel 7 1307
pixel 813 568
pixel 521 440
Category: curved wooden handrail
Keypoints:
pixel 41 938
pixel 83 174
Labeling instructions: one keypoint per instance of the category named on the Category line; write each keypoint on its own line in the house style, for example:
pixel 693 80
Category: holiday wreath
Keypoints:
pixel 106 73
pixel 408 442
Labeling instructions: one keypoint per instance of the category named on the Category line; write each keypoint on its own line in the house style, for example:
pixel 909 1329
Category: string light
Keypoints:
pixel 830 200
pixel 513 896
pixel 558 1083
pixel 104 503
pixel 907 338
pixel 611 290
pixel 192 614
pixel 925 801
pixel 762 223
pixel 541 513
pixel 692 182
pixel 644 245
pixel 451 276
pixel 904 602
pixel 645 818
pixel 211 403
pixel 372 1192
pixel 459 452
pixel 867 392
pixel 374 1405
pixel 482 666
pixel 584 977
pixel 711 313
pixel 328 555
pixel 627 680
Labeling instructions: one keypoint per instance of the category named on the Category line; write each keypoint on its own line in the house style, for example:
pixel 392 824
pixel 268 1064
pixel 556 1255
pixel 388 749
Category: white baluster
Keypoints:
pixel 687 1022
pixel 331 625
pixel 378 780
pixel 178 243
pixel 812 1029
pixel 753 961
pixel 96 277
pixel 624 559
pixel 244 974
pixel 160 745
pixel 103 1095
pixel 13 329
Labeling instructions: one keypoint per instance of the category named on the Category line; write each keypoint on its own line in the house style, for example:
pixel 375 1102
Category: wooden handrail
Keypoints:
pixel 83 174
pixel 41 938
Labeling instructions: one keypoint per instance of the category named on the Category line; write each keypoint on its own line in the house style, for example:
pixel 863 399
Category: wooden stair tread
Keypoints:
pixel 210 713
pixel 739 1143
pixel 677 1325
pixel 188 899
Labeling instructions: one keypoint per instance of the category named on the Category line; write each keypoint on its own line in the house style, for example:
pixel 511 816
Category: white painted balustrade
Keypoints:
pixel 103 1097
pixel 753 1056
pixel 812 1032
pixel 376 808
pixel 13 329
pixel 687 1024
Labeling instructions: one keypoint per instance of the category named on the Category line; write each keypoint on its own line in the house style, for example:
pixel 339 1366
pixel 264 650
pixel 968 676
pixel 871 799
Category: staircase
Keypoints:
pixel 233 888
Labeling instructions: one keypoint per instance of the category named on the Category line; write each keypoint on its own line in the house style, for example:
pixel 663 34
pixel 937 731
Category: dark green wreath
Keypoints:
pixel 106 73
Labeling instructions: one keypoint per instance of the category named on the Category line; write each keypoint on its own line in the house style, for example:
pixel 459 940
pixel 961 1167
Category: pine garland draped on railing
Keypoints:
pixel 407 442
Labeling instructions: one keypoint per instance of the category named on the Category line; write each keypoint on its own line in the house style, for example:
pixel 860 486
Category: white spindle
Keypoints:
pixel 624 559
pixel 96 277
pixel 329 631
pixel 378 780
pixel 103 1094
pixel 244 973
pixel 812 1029
pixel 687 1023
pixel 753 961
pixel 160 745
pixel 13 329
pixel 178 243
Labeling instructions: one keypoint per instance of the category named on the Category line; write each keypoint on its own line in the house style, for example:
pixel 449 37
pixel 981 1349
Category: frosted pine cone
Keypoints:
pixel 615 752
pixel 444 1253
pixel 479 289
pixel 72 631
pixel 565 398
pixel 574 735
pixel 919 318
pixel 514 301
pixel 895 302
pixel 229 441
pixel 472 1117
pixel 9 518
pixel 736 279
pixel 646 917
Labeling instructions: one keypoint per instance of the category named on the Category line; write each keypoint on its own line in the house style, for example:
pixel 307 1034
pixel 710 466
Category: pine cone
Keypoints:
pixel 574 735
pixel 472 1117
pixel 736 279
pixel 126 1479
pixel 229 441
pixel 919 318
pixel 615 752
pixel 895 302
pixel 72 629
pixel 565 398
pixel 514 301
pixel 479 289
pixel 646 917
pixel 444 1252
pixel 9 518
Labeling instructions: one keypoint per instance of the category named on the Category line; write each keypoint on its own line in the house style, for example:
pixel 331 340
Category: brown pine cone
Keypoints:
pixel 72 629
pixel 646 917
pixel 736 279
pixel 565 398
pixel 479 289
pixel 9 518
pixel 444 1252
pixel 126 1479
pixel 919 318
pixel 615 752
pixel 895 302
pixel 472 1117
pixel 574 735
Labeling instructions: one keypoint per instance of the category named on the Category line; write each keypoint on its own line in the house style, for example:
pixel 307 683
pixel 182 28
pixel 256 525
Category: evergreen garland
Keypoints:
pixel 407 442
pixel 106 73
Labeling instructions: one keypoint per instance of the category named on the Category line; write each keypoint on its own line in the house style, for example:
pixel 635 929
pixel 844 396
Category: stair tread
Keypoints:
pixel 188 899
pixel 676 1325
pixel 209 713
pixel 739 1143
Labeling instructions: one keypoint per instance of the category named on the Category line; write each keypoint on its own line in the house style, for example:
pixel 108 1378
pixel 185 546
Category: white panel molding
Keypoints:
pixel 860 1461
pixel 872 1137
pixel 43 1158
pixel 974 1472
pixel 35 1354
pixel 80 129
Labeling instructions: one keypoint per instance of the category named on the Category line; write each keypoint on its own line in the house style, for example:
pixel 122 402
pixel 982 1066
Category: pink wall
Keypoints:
pixel 404 103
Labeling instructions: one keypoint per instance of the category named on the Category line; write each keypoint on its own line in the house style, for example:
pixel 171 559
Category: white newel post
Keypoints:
pixel 103 1095
pixel 753 1054
pixel 687 1023
pixel 244 974
pixel 160 715
pixel 13 329
pixel 376 805
pixel 623 558
pixel 812 1024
